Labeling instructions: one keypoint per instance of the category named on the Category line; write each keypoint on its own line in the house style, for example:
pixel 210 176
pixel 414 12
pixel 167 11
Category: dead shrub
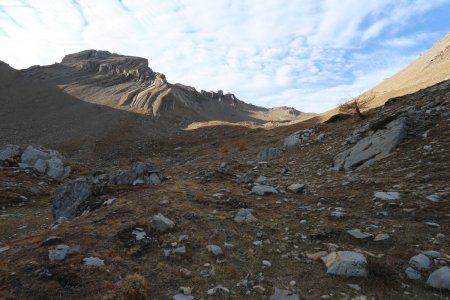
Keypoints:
pixel 242 145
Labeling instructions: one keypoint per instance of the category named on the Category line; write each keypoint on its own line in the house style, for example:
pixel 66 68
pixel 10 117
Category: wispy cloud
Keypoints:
pixel 306 54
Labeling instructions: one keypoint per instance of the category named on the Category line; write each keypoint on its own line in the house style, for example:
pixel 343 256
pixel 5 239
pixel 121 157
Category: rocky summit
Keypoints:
pixel 107 192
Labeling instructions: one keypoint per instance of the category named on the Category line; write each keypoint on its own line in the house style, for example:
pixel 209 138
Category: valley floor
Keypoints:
pixel 279 250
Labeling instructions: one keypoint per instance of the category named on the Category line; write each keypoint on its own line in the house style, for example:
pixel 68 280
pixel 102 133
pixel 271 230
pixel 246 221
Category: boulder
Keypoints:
pixel 161 223
pixel 10 155
pixel 373 147
pixel 296 187
pixel 263 190
pixel 281 294
pixel 45 161
pixel 293 139
pixel 387 196
pixel 93 261
pixel 413 274
pixel 245 215
pixel 346 263
pixel 62 251
pixel 420 262
pixel 268 154
pixel 440 279
pixel 71 198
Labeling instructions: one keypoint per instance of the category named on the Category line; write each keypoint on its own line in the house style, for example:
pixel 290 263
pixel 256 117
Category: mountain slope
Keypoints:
pixel 428 69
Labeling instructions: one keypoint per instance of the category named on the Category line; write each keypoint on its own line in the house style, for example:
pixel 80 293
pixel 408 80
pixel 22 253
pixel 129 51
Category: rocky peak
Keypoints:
pixel 105 62
pixel 220 96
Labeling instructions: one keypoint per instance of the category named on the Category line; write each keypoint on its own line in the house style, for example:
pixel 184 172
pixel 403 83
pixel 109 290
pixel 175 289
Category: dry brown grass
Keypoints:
pixel 242 145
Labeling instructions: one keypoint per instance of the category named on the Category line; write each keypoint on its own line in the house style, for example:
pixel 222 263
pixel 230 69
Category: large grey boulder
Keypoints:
pixel 440 279
pixel 10 154
pixel 281 294
pixel 268 154
pixel 45 161
pixel 420 262
pixel 372 148
pixel 346 263
pixel 71 198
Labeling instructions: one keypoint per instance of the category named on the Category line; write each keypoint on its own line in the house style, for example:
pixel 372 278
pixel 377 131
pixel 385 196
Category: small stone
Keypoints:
pixel 185 272
pixel 432 224
pixel 218 289
pixel 214 249
pixel 433 198
pixel 337 214
pixel 245 215
pixel 356 233
pixel 161 223
pixel 413 274
pixel 4 248
pixel 62 251
pixel 440 279
pixel 164 202
pixel 292 283
pixel 259 288
pixel 354 286
pixel 281 294
pixel 420 262
pixel 139 233
pixel 185 290
pixel 388 196
pixel 381 237
pixel 109 201
pixel 93 261
pixel 296 187
pixel 317 255
pixel 266 263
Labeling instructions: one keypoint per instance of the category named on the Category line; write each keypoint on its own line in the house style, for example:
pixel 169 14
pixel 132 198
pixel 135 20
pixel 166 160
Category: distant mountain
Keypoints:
pixel 127 82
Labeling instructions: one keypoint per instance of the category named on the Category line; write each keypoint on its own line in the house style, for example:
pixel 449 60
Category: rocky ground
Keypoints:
pixel 227 222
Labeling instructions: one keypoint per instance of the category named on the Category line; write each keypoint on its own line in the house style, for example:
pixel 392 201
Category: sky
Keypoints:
pixel 307 54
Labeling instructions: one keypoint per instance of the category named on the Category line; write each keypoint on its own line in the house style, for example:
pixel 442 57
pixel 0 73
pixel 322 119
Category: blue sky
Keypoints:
pixel 305 54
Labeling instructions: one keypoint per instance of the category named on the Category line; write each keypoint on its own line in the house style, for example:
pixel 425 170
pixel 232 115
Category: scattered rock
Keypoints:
pixel 440 279
pixel 346 263
pixel 420 262
pixel 62 251
pixel 281 294
pixel 245 215
pixel 263 190
pixel 10 155
pixel 433 198
pixel 217 290
pixel 4 248
pixel 109 201
pixel 388 196
pixel 161 223
pixel 356 233
pixel 93 261
pixel 413 274
pixel 381 237
pixel 214 249
pixel 139 233
pixel 266 263
pixel 432 254
pixel 296 187
pixel 268 154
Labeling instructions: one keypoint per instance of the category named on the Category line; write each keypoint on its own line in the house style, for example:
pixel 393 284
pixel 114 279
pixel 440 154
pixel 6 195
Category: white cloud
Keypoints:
pixel 300 53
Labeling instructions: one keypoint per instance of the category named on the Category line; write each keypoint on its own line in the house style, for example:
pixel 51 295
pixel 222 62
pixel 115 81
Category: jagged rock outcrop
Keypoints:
pixel 374 147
